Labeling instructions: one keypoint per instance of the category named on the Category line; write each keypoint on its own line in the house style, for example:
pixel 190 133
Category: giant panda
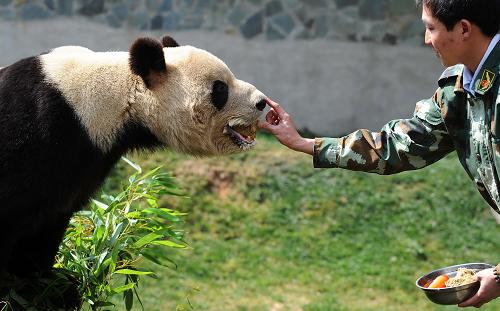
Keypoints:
pixel 68 115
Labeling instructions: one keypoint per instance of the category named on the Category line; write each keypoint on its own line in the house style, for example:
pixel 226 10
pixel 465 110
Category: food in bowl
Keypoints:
pixel 464 276
pixel 439 282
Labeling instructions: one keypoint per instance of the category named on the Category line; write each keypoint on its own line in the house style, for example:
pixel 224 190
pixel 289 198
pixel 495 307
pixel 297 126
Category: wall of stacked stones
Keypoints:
pixel 384 21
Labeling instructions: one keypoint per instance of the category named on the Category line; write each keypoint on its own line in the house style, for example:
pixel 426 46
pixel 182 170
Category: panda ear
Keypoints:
pixel 169 42
pixel 147 60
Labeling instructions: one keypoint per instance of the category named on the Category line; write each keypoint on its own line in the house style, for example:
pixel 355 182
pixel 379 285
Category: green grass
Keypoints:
pixel 269 232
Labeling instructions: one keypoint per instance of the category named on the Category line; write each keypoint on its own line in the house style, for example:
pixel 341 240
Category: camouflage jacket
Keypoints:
pixel 451 120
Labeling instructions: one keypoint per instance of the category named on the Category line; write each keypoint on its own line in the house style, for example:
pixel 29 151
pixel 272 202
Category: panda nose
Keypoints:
pixel 261 105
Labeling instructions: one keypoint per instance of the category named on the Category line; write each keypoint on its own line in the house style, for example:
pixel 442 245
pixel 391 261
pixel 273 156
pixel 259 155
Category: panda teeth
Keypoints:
pixel 235 122
pixel 242 141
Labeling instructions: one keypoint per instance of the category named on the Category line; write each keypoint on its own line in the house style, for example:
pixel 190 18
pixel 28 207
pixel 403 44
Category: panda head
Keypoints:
pixel 194 102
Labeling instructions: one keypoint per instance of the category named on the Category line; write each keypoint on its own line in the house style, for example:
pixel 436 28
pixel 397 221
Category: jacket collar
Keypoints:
pixel 488 73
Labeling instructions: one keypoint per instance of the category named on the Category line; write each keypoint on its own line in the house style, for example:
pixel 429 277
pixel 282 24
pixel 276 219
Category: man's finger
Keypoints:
pixel 271 116
pixel 265 126
pixel 280 111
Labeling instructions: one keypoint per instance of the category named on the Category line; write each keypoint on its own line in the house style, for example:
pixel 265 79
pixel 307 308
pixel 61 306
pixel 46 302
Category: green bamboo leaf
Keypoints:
pixel 132 272
pixel 163 213
pixel 134 165
pixel 133 215
pixel 123 288
pixel 169 244
pixel 116 233
pixel 146 240
pixel 101 260
pixel 99 233
pixel 128 296
pixel 100 204
pixel 150 173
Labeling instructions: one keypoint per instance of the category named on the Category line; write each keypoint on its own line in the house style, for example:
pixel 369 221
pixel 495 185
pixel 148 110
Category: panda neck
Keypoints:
pixel 99 87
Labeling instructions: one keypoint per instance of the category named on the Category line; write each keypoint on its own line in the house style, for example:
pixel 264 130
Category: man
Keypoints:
pixel 462 116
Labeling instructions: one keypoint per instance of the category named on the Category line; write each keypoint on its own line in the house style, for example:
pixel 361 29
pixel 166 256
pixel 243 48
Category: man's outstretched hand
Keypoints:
pixel 280 124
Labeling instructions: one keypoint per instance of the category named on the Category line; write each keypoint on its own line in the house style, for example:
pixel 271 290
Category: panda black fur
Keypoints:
pixel 51 164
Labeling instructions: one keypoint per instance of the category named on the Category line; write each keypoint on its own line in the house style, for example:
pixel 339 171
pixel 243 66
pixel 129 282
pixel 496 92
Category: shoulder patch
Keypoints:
pixel 450 72
pixel 486 82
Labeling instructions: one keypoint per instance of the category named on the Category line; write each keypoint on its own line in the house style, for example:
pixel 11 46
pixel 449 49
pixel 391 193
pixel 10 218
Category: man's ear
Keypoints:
pixel 146 59
pixel 466 28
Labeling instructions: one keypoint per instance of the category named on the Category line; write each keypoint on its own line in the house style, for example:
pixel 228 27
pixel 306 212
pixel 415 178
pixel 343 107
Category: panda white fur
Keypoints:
pixel 67 116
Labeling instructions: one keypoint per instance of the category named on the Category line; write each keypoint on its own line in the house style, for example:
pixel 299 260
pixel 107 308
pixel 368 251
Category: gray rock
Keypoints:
pixel 114 21
pixel 33 11
pixel 321 26
pixel 415 28
pixel 7 14
pixel 192 21
pixel 157 22
pixel 372 9
pixel 154 5
pixel 351 12
pixel 65 7
pixel 273 33
pixel 399 7
pixel 139 20
pixel 120 11
pixel 166 6
pixel 273 7
pixel 291 4
pixel 256 2
pixel 253 26
pixel 345 24
pixel 375 31
pixel 314 3
pixel 284 22
pixel 302 14
pixel 5 2
pixel 343 3
pixel 171 21
pixel 238 14
pixel 184 5
pixel 205 5
pixel 48 3
pixel 91 8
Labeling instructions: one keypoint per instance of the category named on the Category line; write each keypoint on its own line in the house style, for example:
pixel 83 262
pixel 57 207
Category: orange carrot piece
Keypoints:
pixel 439 282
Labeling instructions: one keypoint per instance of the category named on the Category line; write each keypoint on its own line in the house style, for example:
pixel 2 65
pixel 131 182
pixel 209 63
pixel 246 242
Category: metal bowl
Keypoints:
pixel 451 295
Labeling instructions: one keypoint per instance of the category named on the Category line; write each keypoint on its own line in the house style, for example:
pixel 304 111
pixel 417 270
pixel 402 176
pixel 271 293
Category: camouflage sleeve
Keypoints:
pixel 401 145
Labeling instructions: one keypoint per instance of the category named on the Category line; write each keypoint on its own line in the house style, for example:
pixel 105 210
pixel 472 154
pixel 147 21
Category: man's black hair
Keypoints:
pixel 483 13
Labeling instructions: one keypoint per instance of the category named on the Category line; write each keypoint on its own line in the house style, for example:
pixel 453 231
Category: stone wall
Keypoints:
pixel 384 21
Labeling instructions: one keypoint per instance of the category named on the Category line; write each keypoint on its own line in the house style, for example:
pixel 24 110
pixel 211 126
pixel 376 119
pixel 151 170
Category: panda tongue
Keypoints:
pixel 243 137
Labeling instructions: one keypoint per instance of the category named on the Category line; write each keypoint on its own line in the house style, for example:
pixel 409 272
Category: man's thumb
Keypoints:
pixel 263 125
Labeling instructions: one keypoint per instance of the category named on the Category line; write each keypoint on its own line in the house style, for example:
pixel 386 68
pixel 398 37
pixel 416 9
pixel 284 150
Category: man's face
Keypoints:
pixel 446 44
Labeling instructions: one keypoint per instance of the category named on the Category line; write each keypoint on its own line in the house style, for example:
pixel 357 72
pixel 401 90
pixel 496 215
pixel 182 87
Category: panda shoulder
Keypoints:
pixel 71 49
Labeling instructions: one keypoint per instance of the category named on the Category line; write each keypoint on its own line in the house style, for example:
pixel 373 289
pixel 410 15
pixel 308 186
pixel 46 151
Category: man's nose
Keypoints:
pixel 427 37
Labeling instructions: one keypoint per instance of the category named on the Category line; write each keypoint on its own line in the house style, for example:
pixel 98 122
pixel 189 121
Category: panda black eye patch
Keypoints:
pixel 220 93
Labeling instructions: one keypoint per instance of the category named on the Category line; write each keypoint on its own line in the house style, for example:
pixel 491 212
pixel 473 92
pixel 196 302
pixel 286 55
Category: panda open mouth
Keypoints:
pixel 243 136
